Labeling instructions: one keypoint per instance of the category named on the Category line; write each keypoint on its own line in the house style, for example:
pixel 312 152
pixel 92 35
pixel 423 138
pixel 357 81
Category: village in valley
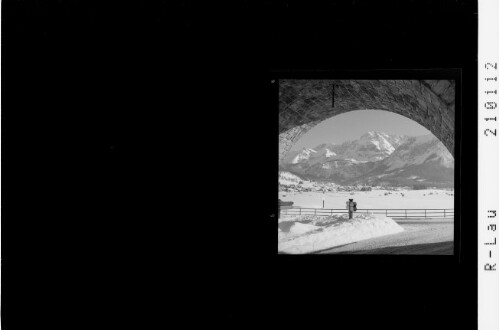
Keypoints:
pixel 291 183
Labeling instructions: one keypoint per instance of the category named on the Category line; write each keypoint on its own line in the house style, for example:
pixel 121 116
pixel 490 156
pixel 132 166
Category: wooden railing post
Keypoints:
pixel 444 213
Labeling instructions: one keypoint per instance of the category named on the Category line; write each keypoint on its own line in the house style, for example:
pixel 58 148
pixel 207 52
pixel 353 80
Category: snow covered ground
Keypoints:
pixel 417 199
pixel 310 233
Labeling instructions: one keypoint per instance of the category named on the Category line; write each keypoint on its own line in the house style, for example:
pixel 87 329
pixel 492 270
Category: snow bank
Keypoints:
pixel 288 229
pixel 300 228
pixel 313 233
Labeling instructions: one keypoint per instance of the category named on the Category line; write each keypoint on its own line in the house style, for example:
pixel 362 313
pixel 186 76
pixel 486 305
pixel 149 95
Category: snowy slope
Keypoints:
pixel 327 232
pixel 286 178
pixel 419 150
pixel 303 155
pixel 420 160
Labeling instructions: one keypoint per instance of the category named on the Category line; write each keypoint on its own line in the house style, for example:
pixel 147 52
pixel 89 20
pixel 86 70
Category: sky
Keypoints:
pixel 353 124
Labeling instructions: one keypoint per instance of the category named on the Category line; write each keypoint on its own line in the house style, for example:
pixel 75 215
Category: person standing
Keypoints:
pixel 323 197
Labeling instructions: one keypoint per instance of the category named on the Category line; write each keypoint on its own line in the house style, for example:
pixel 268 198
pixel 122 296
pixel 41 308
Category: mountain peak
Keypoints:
pixel 372 134
pixel 376 157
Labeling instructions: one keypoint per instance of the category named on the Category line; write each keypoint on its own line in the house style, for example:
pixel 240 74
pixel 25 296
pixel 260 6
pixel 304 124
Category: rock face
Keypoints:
pixel 305 103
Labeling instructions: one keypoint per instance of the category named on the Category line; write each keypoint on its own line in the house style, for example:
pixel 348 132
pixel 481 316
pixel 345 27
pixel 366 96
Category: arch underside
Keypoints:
pixel 305 103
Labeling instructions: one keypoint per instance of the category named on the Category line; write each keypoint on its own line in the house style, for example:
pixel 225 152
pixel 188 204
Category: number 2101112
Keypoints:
pixel 491 105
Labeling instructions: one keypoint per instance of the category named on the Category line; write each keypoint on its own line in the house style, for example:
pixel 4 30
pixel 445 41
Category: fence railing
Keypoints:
pixel 391 213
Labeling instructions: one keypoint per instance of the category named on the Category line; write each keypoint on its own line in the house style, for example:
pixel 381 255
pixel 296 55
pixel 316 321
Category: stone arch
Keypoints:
pixel 305 103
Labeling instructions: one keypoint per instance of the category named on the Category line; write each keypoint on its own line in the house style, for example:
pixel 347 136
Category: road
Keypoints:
pixel 419 237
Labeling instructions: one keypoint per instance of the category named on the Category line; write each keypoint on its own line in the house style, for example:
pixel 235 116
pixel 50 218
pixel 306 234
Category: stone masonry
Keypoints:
pixel 305 103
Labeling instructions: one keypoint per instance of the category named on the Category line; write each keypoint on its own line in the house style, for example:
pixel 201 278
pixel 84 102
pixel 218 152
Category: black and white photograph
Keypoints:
pixel 259 163
pixel 366 166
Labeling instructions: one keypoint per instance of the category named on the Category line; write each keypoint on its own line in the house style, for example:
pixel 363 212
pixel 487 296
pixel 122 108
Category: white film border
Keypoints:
pixel 488 164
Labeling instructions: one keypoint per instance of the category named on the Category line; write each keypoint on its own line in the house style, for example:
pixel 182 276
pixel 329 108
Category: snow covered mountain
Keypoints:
pixel 422 159
pixel 288 178
pixel 303 155
pixel 419 150
pixel 372 146
pixel 376 158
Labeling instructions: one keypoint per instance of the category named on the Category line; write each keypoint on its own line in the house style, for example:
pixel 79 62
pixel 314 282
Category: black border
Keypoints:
pixel 418 291
pixel 79 79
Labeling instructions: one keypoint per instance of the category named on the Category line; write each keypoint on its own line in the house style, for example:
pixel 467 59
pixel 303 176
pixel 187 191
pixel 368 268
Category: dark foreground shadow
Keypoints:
pixel 442 248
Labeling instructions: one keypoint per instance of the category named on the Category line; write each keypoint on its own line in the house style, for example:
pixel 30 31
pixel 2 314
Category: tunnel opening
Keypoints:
pixel 306 103
pixel 399 181
pixel 370 147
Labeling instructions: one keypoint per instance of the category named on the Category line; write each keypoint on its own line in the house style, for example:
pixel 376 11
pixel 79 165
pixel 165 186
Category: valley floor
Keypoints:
pixel 376 199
